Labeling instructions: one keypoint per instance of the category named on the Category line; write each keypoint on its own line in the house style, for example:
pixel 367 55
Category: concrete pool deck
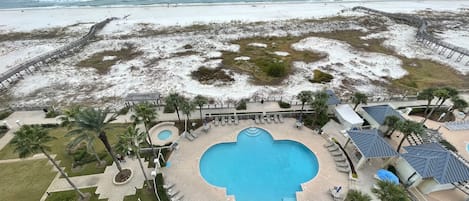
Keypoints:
pixel 155 130
pixel 184 168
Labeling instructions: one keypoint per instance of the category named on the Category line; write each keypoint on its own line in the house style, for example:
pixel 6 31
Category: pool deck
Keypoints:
pixel 184 168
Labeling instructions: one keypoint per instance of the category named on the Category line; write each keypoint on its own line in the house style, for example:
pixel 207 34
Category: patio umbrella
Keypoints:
pixel 385 175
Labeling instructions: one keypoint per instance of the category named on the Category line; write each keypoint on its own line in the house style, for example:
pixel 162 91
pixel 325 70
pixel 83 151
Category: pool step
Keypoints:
pixel 288 199
pixel 253 131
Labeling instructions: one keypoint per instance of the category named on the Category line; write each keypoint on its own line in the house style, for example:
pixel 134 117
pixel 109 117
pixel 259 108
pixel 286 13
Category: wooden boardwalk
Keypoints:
pixel 428 40
pixel 35 63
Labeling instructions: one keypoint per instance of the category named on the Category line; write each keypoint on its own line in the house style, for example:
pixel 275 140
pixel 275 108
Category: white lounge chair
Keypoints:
pixel 256 119
pixel 280 118
pixel 168 186
pixel 222 121
pixel 178 198
pixel 337 153
pixel 172 193
pixel 343 169
pixel 341 164
pixel 261 119
pixel 193 134
pixel 236 120
pixel 329 144
pixel 188 136
pixel 340 159
pixel 215 121
pixel 228 120
pixel 274 117
pixel 333 148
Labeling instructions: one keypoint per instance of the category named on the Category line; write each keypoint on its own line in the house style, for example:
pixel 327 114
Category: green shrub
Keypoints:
pixel 273 67
pixel 52 113
pixel 241 105
pixel 51 125
pixel 448 145
pixel 5 114
pixel 168 109
pixel 81 157
pixel 308 120
pixel 284 104
pixel 123 111
pixel 320 77
pixel 3 130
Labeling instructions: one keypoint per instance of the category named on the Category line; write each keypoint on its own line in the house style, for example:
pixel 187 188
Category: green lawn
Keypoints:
pixel 72 195
pixel 58 147
pixel 25 180
pixel 145 194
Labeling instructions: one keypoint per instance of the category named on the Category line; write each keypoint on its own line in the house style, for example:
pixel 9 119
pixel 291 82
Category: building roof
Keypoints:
pixel 433 161
pixel 333 99
pixel 371 144
pixel 380 112
pixel 347 113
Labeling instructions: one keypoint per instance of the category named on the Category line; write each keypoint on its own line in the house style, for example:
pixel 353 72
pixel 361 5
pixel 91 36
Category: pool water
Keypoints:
pixel 257 168
pixel 467 147
pixel 164 134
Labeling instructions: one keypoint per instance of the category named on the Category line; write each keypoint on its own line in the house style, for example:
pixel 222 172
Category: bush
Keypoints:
pixel 284 104
pixel 209 76
pixel 52 113
pixel 3 130
pixel 308 120
pixel 81 157
pixel 52 125
pixel 123 111
pixel 5 114
pixel 168 109
pixel 448 145
pixel 241 105
pixel 273 67
pixel 320 77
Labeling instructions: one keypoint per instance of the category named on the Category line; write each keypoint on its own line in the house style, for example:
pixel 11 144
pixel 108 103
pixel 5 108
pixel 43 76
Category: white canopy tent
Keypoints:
pixel 348 117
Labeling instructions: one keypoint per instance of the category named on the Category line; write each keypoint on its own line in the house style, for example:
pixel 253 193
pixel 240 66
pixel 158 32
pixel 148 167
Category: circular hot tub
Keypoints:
pixel 164 134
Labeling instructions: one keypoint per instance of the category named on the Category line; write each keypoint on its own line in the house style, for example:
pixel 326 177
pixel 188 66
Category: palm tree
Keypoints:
pixel 200 101
pixel 31 140
pixel 145 112
pixel 304 96
pixel 89 139
pixel 319 105
pixel 96 121
pixel 356 195
pixel 407 128
pixel 443 94
pixel 392 123
pixel 187 107
pixel 358 98
pixel 175 100
pixel 131 140
pixel 69 115
pixel 388 191
pixel 426 94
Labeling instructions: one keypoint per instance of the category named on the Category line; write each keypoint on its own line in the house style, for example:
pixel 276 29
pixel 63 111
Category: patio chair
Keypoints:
pixel 341 164
pixel 189 136
pixel 267 119
pixel 333 148
pixel 172 193
pixel 337 153
pixel 329 144
pixel 261 119
pixel 336 196
pixel 236 120
pixel 340 159
pixel 179 198
pixel 256 119
pixel 343 169
pixel 193 134
pixel 274 117
pixel 168 186
pixel 280 118
pixel 228 120
pixel 216 121
pixel 222 121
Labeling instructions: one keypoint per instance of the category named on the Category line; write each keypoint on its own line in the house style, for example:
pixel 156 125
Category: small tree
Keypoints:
pixel 388 191
pixel 426 94
pixel 304 96
pixel 145 113
pixel 96 121
pixel 356 195
pixel 131 140
pixel 392 123
pixel 69 115
pixel 358 98
pixel 443 94
pixel 31 140
pixel 407 128
pixel 319 105
pixel 175 100
pixel 200 101
pixel 89 139
pixel 187 107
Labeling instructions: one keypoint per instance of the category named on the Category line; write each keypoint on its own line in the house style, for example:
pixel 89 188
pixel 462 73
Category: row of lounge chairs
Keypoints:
pixel 269 118
pixel 341 162
pixel 173 194
pixel 226 120
pixel 191 135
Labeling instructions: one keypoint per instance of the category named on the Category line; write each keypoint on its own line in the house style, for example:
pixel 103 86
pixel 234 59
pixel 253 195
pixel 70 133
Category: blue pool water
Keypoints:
pixel 164 135
pixel 257 168
pixel 467 147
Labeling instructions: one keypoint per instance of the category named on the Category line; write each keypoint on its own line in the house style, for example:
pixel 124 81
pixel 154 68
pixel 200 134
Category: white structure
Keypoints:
pixel 348 117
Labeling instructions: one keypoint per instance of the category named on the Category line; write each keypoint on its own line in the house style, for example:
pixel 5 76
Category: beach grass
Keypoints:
pixel 103 65
pixel 58 147
pixel 25 180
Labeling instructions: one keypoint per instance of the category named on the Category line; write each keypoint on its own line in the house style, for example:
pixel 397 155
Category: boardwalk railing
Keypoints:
pixel 35 62
pixel 423 36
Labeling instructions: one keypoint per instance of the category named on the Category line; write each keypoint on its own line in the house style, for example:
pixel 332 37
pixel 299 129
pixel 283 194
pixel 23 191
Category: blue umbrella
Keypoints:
pixel 387 176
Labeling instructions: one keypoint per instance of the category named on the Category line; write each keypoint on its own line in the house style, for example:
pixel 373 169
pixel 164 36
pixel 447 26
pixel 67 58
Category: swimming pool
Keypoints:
pixel 258 168
pixel 467 147
pixel 164 134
